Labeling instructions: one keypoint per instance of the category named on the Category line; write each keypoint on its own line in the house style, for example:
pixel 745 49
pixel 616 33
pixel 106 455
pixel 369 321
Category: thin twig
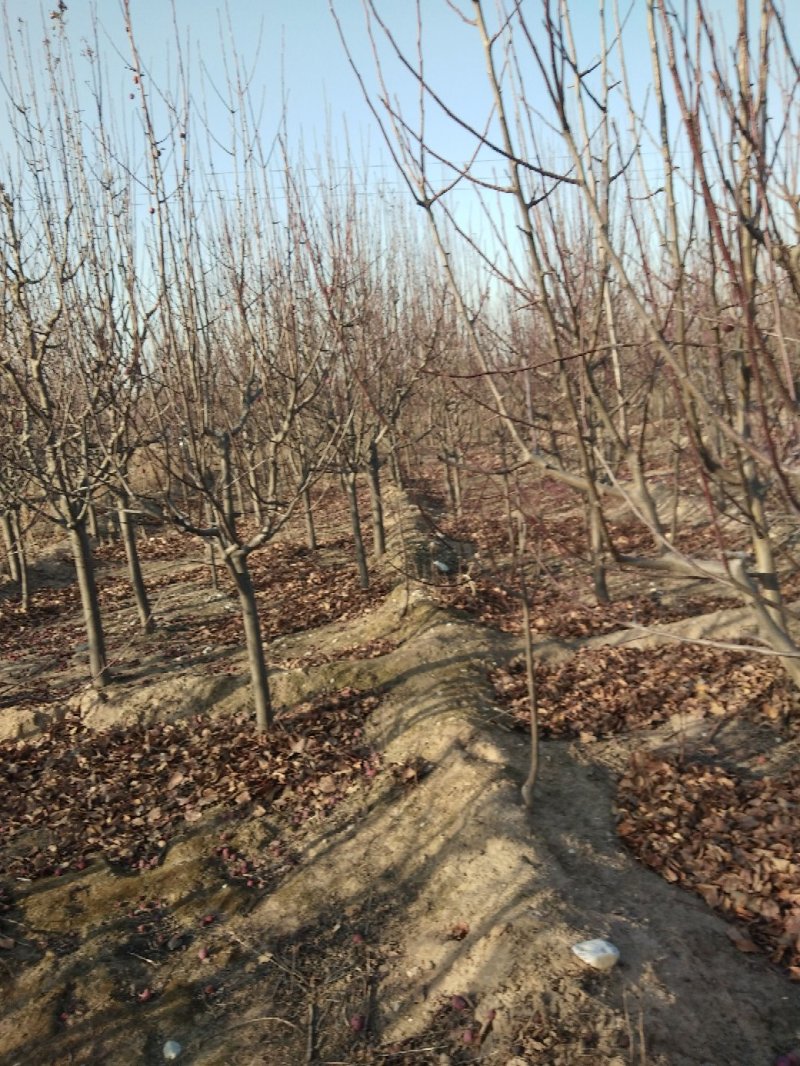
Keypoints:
pixel 143 958
pixel 263 1018
pixel 311 1032
pixel 412 1051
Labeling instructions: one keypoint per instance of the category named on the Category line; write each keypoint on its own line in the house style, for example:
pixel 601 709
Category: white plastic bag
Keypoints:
pixel 601 954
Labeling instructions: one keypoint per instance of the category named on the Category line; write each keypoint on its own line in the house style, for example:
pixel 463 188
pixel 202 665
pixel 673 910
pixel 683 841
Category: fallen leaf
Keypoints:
pixel 741 940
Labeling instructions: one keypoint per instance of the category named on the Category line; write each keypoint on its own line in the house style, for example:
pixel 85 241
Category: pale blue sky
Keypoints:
pixel 294 43
pixel 299 39
pixel 289 45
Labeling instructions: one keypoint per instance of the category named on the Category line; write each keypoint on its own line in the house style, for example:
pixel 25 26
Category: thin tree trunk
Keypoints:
pixel 211 559
pixel 395 466
pixel 84 568
pixel 453 476
pixel 376 501
pixel 533 710
pixel 10 545
pixel 308 514
pixel 511 524
pixel 355 521
pixel 91 510
pixel 91 521
pixel 676 494
pixel 128 531
pixel 596 544
pixel 255 499
pixel 21 560
pixel 211 550
pixel 256 660
pixel 251 460
pixel 239 490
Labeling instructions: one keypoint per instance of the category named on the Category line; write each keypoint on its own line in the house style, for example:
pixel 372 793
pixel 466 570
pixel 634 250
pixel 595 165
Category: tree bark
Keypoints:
pixel 211 548
pixel 376 502
pixel 128 530
pixel 92 527
pixel 453 478
pixel 10 545
pixel 533 710
pixel 308 514
pixel 395 466
pixel 355 521
pixel 90 604
pixel 596 547
pixel 256 660
pixel 251 460
pixel 21 560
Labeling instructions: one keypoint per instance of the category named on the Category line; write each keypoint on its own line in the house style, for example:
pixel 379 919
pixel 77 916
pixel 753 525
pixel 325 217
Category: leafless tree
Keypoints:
pixel 236 350
pixel 659 302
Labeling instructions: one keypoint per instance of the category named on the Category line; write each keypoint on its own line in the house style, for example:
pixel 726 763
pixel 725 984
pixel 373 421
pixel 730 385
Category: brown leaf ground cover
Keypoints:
pixel 733 840
pixel 601 692
pixel 556 613
pixel 72 792
pixel 336 893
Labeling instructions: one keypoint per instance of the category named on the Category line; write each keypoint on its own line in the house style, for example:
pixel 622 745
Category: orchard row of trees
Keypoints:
pixel 195 350
pixel 203 347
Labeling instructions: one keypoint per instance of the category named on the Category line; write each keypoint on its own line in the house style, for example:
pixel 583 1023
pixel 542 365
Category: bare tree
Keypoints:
pixel 237 352
pixel 59 297
pixel 660 300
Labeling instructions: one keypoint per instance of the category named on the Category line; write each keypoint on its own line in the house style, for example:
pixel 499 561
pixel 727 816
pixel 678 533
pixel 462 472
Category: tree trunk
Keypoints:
pixel 308 514
pixel 596 547
pixel 395 465
pixel 355 521
pixel 241 506
pixel 91 510
pixel 256 660
pixel 211 559
pixel 128 531
pixel 255 500
pixel 92 527
pixel 533 710
pixel 84 568
pixel 211 549
pixel 10 545
pixel 376 501
pixel 511 524
pixel 453 480
pixel 251 461
pixel 21 560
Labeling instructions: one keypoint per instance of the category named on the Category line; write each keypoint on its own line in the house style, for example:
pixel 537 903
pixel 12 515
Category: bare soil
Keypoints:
pixel 392 902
